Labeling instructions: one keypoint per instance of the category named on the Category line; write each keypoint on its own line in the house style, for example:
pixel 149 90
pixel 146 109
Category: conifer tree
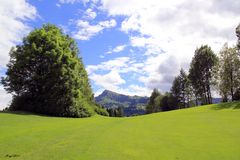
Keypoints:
pixel 151 106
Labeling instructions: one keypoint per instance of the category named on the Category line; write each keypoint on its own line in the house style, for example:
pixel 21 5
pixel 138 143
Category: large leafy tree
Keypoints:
pixel 201 73
pixel 237 93
pixel 45 75
pixel 228 72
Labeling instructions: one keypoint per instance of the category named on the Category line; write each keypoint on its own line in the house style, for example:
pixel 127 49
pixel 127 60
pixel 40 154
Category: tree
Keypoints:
pixel 201 73
pixel 168 102
pixel 176 91
pixel 115 112
pixel 238 35
pixel 228 74
pixel 182 90
pixel 45 75
pixel 152 104
pixel 120 112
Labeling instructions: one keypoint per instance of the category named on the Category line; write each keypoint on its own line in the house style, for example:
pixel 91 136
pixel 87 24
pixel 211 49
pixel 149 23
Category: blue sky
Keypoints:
pixel 128 46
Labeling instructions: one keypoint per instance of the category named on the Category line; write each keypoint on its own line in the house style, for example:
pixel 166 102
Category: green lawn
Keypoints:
pixel 202 133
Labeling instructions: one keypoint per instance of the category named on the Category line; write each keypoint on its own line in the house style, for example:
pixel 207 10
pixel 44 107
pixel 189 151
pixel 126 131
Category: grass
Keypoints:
pixel 203 133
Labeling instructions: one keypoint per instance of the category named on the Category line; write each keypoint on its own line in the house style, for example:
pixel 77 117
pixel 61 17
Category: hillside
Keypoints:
pixel 202 133
pixel 132 105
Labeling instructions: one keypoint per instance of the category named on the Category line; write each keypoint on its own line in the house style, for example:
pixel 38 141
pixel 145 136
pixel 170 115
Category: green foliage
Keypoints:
pixel 115 112
pixel 153 104
pixel 182 90
pixel 200 133
pixel 46 76
pixel 159 102
pixel 100 110
pixel 228 73
pixel 201 73
pixel 168 102
pixel 238 35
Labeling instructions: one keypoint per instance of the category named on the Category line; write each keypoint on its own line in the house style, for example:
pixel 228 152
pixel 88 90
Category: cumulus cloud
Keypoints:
pixel 13 14
pixel 170 31
pixel 114 64
pixel 109 81
pixel 85 30
pixel 114 78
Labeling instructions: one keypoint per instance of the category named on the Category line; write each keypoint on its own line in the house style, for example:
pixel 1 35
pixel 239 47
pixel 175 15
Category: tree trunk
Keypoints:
pixel 231 84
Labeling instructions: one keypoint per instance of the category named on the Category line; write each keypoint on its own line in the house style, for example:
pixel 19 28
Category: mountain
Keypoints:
pixel 132 105
pixel 216 100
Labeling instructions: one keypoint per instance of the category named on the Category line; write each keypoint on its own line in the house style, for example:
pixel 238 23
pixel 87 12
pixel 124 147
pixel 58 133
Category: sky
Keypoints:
pixel 127 46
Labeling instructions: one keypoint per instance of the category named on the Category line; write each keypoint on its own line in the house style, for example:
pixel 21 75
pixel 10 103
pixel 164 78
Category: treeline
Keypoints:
pixel 207 72
pixel 115 112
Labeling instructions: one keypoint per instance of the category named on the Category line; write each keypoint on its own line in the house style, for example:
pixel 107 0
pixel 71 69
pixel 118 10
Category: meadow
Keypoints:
pixel 210 132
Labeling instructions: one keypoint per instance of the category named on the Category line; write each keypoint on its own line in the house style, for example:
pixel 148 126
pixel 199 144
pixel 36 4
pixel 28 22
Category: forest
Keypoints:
pixel 208 72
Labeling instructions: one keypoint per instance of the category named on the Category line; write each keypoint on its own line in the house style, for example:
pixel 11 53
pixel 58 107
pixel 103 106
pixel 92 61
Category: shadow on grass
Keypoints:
pixel 25 113
pixel 227 105
pixel 36 114
pixel 12 155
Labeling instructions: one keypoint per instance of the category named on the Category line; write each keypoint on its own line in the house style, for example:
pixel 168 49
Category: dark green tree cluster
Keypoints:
pixel 115 112
pixel 45 75
pixel 182 90
pixel 160 102
pixel 153 104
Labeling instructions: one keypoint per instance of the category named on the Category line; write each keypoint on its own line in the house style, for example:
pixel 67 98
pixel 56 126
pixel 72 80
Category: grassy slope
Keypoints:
pixel 208 132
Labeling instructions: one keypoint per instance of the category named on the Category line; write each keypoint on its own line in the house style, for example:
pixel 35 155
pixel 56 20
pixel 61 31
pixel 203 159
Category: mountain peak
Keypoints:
pixel 107 92
pixel 131 104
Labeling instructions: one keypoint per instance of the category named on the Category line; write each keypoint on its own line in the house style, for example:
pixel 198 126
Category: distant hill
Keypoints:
pixel 216 100
pixel 132 105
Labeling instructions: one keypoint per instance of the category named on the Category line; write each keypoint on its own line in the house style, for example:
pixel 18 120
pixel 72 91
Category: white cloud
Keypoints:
pixel 131 24
pixel 13 15
pixel 58 5
pixel 90 14
pixel 85 30
pixel 170 31
pixel 85 2
pixel 117 49
pixel 163 36
pixel 108 24
pixel 72 1
pixel 5 98
pixel 109 81
pixel 114 64
pixel 114 78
